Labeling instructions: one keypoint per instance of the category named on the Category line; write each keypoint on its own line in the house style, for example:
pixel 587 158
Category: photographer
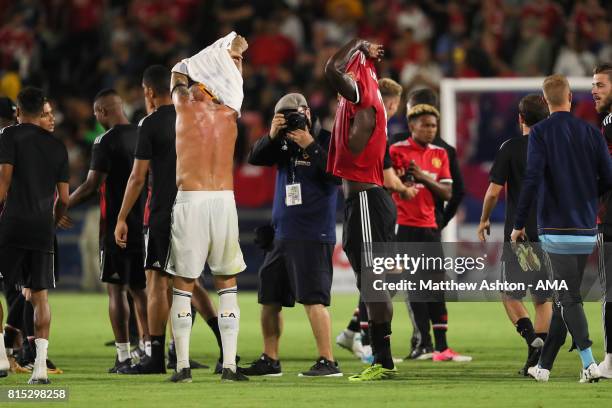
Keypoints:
pixel 298 262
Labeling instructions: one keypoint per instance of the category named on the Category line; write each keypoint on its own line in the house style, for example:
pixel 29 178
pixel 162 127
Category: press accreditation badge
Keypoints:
pixel 293 194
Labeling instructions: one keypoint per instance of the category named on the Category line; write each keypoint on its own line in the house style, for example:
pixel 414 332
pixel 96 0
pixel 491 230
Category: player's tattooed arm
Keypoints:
pixel 335 69
pixel 179 85
pixel 6 175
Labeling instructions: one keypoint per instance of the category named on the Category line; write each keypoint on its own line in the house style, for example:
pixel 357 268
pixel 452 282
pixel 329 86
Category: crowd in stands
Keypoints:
pixel 74 48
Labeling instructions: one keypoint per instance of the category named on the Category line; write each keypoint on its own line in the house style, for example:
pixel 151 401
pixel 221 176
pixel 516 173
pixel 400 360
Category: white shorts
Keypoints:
pixel 204 229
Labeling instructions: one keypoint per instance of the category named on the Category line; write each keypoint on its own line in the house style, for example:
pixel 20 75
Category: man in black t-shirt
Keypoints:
pixel 508 170
pixel 33 168
pixel 122 268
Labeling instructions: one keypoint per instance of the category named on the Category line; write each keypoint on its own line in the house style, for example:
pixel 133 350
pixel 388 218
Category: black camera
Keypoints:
pixel 295 120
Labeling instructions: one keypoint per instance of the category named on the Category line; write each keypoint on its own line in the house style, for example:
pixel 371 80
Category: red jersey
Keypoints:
pixel 433 160
pixel 366 167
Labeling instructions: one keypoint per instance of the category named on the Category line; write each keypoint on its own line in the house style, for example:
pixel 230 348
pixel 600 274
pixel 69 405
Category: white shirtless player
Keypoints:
pixel 204 218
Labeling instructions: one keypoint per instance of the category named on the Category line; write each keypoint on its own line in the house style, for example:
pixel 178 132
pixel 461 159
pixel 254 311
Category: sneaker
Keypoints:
pixel 375 372
pixel 52 369
pixel 3 373
pixel 323 368
pixel 138 354
pixel 183 376
pixel 533 357
pixel 229 375
pixel 367 357
pixel 120 365
pixel 144 366
pixel 590 374
pixel 450 355
pixel 539 374
pixel 219 365
pixel 345 341
pixel 605 367
pixel 16 367
pixel 194 365
pixel 38 381
pixel 265 366
pixel 420 353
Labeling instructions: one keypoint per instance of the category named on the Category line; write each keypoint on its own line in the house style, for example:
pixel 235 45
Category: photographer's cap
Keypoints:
pixel 7 108
pixel 290 101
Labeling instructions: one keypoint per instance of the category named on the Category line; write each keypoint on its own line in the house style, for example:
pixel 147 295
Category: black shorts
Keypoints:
pixel 369 216
pixel 156 249
pixel 28 268
pixel 299 271
pixel 123 268
pixel 431 239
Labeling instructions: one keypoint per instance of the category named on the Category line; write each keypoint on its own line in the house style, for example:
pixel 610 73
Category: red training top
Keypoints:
pixel 366 167
pixel 433 161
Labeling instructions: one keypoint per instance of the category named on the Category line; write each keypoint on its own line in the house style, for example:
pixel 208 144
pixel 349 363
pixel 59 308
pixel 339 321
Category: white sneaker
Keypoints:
pixel 367 357
pixel 590 374
pixel 539 374
pixel 358 347
pixel 345 340
pixel 605 367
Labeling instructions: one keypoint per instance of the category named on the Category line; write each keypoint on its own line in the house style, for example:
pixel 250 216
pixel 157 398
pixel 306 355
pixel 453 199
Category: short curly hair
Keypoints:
pixel 422 109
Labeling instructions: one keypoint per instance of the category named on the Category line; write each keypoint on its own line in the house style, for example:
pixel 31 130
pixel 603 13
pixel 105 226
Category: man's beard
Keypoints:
pixel 605 104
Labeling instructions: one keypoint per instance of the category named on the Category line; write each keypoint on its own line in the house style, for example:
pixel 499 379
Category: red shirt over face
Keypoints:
pixel 366 167
pixel 433 160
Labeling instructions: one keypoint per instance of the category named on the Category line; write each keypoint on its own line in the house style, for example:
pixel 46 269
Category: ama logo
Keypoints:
pixel 228 314
pixel 184 314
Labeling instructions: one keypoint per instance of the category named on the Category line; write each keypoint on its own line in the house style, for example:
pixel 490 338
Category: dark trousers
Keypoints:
pixel 568 311
pixel 604 247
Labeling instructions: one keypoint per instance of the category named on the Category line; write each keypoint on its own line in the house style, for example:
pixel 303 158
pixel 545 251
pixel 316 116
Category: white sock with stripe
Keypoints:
pixel 229 324
pixel 181 326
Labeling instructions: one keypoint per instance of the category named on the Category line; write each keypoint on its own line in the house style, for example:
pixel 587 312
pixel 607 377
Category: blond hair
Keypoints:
pixel 556 90
pixel 389 87
pixel 422 109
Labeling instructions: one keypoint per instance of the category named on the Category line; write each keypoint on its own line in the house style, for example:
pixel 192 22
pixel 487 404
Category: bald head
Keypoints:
pixel 557 92
pixel 108 108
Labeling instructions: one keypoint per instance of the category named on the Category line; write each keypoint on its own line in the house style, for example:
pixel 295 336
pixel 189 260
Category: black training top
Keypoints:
pixel 509 167
pixel 40 161
pixel 113 154
pixel 157 143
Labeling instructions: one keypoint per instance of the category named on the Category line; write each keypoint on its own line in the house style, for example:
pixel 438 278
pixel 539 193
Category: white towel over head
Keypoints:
pixel 215 68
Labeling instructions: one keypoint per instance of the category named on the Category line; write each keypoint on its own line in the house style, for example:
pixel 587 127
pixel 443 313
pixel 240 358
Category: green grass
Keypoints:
pixel 80 326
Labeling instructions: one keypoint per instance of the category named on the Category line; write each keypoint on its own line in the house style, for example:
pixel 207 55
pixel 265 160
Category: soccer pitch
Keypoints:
pixel 80 326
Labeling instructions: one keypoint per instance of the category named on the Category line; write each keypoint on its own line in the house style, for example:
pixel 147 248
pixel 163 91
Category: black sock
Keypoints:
pixel 524 327
pixel 10 334
pixel 213 322
pixel 364 324
pixel 439 322
pixel 542 336
pixel 354 323
pixel 157 349
pixel 381 344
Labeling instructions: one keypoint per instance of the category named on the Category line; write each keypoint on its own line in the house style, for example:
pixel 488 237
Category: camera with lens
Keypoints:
pixel 295 120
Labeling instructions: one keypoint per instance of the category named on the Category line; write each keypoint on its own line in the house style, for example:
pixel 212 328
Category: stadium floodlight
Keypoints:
pixel 449 88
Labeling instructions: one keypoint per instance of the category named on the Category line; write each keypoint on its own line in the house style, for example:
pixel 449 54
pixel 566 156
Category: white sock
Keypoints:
pixel 147 348
pixel 181 326
pixel 123 351
pixel 40 364
pixel 349 333
pixel 229 323
pixel 141 344
pixel 4 363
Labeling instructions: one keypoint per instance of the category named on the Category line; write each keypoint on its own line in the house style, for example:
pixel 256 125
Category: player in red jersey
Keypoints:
pixel 426 167
pixel 356 154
